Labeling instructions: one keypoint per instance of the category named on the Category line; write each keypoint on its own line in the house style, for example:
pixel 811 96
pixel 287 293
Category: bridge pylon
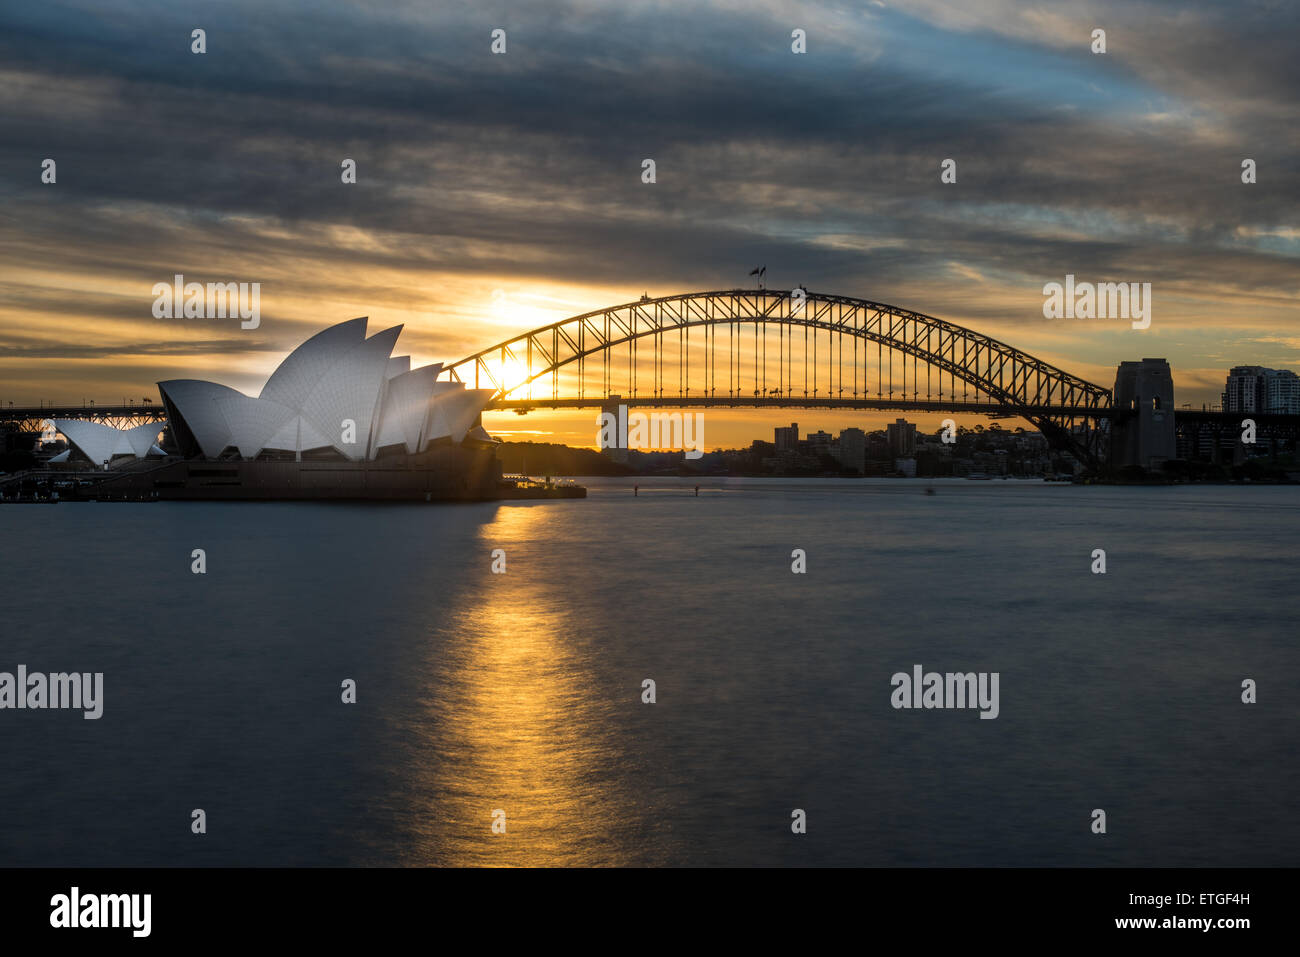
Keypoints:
pixel 616 452
pixel 1143 432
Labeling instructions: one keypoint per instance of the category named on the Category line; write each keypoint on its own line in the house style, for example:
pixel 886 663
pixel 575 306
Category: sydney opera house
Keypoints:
pixel 340 417
pixel 339 395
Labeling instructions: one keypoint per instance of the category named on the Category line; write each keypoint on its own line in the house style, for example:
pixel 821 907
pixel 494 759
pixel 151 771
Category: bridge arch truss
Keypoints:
pixel 782 347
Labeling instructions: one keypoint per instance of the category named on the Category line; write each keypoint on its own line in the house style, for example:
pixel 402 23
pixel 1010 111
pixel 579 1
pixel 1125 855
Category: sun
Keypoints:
pixel 510 371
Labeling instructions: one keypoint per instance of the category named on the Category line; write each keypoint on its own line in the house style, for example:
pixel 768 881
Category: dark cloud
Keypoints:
pixel 65 350
pixel 823 166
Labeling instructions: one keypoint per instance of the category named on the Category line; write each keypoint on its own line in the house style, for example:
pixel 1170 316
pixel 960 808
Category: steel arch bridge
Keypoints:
pixel 785 348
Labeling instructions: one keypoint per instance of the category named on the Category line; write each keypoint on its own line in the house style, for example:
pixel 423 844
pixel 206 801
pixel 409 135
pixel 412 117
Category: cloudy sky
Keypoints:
pixel 496 193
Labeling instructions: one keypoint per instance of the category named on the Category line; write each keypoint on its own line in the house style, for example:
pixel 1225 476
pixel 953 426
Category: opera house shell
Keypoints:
pixel 338 396
pixel 102 443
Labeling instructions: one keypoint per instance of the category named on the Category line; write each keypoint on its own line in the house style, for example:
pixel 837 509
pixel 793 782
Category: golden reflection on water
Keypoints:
pixel 520 724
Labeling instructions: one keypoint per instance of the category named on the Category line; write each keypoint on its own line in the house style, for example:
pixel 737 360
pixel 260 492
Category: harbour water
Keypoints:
pixel 521 692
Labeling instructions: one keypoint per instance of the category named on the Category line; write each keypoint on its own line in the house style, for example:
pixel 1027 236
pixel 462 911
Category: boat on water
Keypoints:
pixel 524 487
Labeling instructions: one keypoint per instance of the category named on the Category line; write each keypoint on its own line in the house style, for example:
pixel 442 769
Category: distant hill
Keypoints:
pixel 549 458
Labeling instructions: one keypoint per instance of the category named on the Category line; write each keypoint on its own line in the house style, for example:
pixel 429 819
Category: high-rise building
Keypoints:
pixel 1239 392
pixel 901 436
pixel 820 442
pixel 853 449
pixel 1282 391
pixel 787 440
pixel 1257 389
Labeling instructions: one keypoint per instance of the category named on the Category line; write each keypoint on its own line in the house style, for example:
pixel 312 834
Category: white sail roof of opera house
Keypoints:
pixel 101 443
pixel 338 390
